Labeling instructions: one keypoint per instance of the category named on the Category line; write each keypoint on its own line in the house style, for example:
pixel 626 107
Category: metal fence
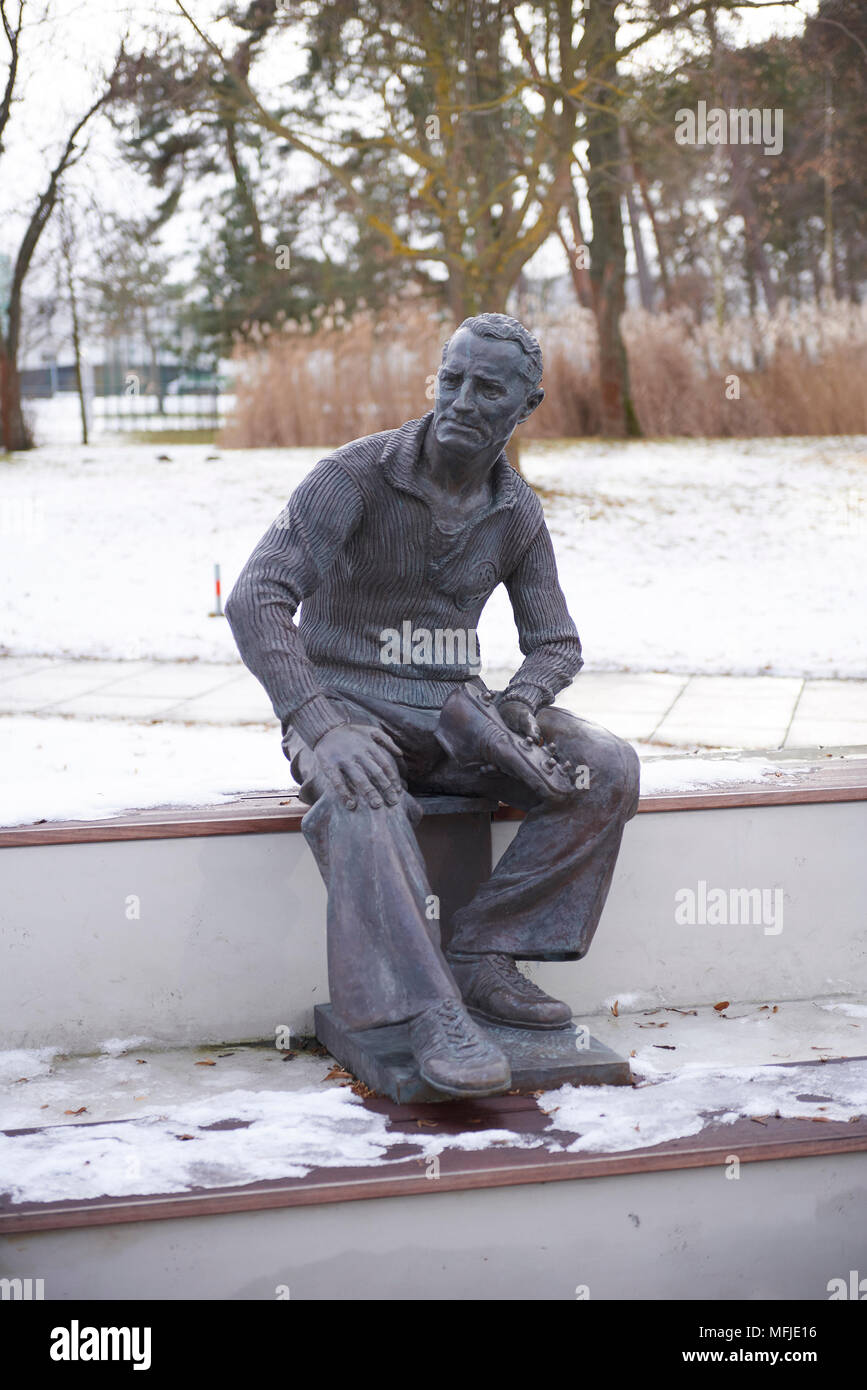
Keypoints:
pixel 123 399
pixel 141 411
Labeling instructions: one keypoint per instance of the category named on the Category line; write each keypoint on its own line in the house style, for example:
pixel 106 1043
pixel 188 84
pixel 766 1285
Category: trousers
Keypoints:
pixel 543 900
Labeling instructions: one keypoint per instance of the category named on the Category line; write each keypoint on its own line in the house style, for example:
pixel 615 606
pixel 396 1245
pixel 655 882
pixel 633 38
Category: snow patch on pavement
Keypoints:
pixel 283 1135
pixel 287 1134
pixel 609 1119
pixel 683 774
pixel 20 1064
pixel 82 769
pixel 116 1047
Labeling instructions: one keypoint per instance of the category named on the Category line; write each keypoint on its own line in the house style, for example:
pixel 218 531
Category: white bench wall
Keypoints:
pixel 231 939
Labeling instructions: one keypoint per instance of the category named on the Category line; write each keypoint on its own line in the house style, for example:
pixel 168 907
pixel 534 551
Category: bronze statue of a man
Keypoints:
pixel 392 546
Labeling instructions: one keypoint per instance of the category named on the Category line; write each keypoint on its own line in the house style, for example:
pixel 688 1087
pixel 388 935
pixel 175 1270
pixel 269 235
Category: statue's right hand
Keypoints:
pixel 360 760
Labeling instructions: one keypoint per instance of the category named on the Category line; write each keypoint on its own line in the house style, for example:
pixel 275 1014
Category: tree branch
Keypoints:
pixel 13 35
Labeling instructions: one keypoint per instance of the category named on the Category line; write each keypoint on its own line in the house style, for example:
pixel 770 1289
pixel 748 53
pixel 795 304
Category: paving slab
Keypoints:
pixel 100 705
pixel 834 700
pixel 774 688
pixel 826 733
pixel 648 707
pixel 13 666
pixel 714 733
pixel 179 682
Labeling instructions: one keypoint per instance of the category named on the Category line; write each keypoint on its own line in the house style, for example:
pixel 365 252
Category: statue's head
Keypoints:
pixel 487 384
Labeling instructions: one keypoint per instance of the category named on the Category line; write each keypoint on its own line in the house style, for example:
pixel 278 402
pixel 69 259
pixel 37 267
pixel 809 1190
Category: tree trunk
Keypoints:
pixel 608 248
pixel 743 203
pixel 66 241
pixel 645 287
pixel 13 429
pixel 577 253
pixel 15 432
pixel 661 256
pixel 79 380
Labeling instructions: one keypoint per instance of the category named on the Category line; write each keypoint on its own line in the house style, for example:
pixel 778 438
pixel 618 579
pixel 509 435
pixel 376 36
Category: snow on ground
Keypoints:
pixel 670 1106
pixel 683 774
pixel 720 557
pixel 846 1007
pixel 75 769
pixel 57 419
pixel 87 769
pixel 287 1133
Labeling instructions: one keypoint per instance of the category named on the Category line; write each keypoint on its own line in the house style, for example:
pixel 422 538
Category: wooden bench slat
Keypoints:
pixel 268 813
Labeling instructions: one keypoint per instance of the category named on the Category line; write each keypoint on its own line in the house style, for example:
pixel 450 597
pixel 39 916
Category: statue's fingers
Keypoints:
pixel 386 741
pixel 361 783
pixel 381 777
pixel 342 786
pixel 384 775
pixel 388 765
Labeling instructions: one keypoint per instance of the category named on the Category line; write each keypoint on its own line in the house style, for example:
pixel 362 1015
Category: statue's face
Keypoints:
pixel 480 394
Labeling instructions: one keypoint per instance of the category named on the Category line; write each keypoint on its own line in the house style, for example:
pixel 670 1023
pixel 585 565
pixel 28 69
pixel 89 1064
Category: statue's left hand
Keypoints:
pixel 520 719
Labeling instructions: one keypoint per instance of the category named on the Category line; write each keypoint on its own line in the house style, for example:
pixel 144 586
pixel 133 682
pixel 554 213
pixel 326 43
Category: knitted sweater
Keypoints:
pixel 357 549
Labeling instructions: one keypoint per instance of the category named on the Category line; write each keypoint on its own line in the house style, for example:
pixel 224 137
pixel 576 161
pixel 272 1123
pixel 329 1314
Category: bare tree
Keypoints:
pixel 68 240
pixel 13 428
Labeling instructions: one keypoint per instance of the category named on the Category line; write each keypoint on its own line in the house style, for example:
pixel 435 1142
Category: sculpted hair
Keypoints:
pixel 510 330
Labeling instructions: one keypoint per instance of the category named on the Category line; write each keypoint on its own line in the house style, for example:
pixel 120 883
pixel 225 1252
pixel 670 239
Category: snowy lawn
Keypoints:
pixel 720 557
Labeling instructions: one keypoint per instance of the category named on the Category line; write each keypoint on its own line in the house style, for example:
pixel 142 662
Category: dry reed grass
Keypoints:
pixel 801 371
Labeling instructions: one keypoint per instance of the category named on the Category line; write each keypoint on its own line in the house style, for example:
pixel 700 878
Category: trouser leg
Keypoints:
pixel 384 959
pixel 546 895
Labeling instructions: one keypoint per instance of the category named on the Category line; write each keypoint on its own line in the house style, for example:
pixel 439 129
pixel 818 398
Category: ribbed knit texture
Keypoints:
pixel 355 547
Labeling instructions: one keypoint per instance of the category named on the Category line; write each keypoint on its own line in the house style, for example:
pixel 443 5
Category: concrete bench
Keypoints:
pixel 207 924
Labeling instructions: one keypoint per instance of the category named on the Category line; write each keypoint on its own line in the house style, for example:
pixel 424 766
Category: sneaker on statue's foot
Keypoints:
pixel 454 1054
pixel 494 989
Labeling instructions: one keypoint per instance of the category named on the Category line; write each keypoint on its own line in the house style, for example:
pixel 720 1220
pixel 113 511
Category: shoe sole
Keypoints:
pixel 515 1023
pixel 464 1092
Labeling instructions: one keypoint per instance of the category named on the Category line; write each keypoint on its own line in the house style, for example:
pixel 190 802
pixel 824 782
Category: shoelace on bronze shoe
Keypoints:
pixel 450 1014
pixel 507 970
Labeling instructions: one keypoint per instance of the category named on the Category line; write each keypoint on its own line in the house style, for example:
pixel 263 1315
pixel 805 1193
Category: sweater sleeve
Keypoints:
pixel 289 562
pixel 546 633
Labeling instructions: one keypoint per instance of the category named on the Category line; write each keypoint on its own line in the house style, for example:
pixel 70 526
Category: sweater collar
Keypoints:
pixel 400 461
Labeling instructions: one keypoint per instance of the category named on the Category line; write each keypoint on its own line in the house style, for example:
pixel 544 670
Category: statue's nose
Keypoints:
pixel 464 402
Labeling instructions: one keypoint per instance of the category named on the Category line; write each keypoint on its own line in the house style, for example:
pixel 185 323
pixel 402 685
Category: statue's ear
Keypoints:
pixel 534 400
